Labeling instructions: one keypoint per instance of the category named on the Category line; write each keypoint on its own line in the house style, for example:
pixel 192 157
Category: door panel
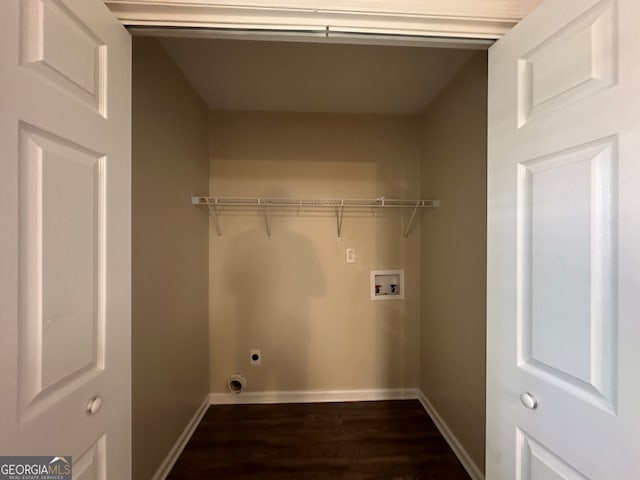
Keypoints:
pixel 563 244
pixel 576 61
pixel 534 461
pixel 65 251
pixel 567 228
pixel 60 189
pixel 92 464
pixel 60 47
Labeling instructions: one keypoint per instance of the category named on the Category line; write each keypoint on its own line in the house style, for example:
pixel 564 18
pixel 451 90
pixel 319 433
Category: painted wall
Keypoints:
pixel 170 252
pixel 453 262
pixel 293 296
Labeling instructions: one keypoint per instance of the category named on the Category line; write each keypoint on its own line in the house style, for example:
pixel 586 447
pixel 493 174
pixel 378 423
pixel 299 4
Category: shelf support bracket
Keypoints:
pixel 340 214
pixel 411 219
pixel 213 213
pixel 266 221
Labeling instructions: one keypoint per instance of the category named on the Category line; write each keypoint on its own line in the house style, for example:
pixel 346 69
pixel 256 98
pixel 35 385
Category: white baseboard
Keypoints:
pixel 469 465
pixel 313 396
pixel 177 449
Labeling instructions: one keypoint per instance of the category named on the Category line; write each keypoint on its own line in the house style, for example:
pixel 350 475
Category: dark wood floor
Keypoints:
pixel 351 440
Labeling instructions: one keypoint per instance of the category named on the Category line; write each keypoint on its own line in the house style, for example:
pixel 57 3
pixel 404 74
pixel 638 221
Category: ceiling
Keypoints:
pixel 314 77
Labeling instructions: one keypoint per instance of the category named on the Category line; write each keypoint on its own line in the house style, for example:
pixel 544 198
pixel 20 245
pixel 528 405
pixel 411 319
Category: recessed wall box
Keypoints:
pixel 387 284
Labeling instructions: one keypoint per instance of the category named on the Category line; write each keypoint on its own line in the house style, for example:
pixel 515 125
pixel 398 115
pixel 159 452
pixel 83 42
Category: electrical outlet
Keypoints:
pixel 255 357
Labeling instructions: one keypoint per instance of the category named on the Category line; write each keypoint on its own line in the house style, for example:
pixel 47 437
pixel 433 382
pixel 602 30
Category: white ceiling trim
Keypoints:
pixel 213 14
pixel 320 36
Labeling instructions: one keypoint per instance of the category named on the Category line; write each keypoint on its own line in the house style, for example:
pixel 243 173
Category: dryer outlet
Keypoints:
pixel 255 356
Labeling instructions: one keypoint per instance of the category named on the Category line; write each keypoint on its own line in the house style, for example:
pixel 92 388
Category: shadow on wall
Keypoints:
pixel 295 297
pixel 257 270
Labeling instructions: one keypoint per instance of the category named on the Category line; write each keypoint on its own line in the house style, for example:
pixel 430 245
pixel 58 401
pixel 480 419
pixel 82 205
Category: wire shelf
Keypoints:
pixel 266 203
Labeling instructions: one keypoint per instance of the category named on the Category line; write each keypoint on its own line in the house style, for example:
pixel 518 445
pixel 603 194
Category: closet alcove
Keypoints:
pixel 225 118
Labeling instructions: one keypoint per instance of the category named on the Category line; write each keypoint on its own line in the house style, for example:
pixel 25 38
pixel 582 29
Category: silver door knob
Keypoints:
pixel 94 404
pixel 528 400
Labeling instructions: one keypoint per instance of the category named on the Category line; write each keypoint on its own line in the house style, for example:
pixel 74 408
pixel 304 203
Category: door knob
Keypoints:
pixel 528 400
pixel 94 404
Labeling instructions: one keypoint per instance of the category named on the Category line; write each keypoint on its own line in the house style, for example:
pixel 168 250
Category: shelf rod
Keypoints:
pixel 313 203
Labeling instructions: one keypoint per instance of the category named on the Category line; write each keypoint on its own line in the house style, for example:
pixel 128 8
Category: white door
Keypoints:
pixel 563 362
pixel 65 234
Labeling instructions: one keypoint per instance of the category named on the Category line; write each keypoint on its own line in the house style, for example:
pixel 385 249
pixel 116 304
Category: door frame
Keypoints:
pixel 437 18
pixel 212 19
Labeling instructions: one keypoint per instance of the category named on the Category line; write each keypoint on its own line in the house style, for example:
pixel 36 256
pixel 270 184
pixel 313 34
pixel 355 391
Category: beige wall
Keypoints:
pixel 293 296
pixel 170 251
pixel 452 347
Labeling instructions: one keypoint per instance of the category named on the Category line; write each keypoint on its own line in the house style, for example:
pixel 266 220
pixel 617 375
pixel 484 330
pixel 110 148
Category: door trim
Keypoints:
pixel 210 14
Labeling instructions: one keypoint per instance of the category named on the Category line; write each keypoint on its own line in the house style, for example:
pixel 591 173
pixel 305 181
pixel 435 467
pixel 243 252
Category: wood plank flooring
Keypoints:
pixel 350 440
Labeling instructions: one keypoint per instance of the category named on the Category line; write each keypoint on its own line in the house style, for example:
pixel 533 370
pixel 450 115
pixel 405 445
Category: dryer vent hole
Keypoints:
pixel 235 385
pixel 255 357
